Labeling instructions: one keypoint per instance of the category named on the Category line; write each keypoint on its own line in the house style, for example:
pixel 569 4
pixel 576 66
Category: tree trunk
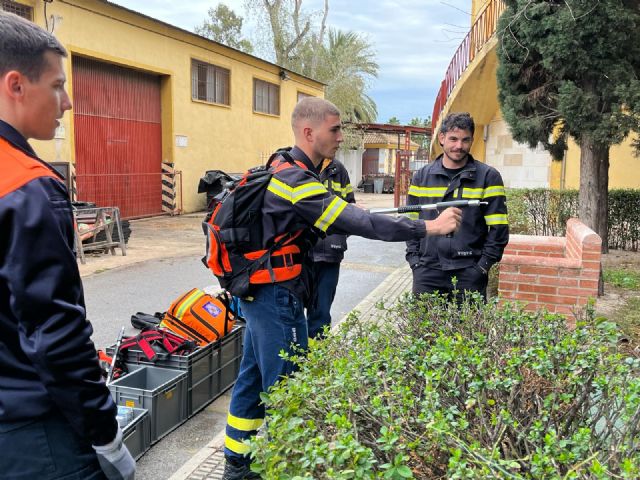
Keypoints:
pixel 593 199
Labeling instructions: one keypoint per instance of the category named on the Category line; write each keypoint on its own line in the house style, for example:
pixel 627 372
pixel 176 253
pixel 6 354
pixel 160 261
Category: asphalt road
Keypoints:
pixel 114 295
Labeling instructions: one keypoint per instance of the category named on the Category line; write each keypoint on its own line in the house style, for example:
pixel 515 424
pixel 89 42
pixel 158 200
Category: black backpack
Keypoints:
pixel 235 252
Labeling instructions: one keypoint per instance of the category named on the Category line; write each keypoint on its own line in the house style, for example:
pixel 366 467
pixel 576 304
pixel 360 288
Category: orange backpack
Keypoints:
pixel 200 317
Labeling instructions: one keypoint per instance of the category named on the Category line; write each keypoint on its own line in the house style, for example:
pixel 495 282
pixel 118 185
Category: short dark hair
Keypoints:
pixel 463 121
pixel 23 45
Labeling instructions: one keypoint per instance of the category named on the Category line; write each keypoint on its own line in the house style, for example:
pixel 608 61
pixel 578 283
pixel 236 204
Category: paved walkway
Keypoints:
pixel 208 463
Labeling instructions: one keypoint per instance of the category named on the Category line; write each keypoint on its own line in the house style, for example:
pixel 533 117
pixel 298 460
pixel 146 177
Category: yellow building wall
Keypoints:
pixel 229 138
pixel 624 166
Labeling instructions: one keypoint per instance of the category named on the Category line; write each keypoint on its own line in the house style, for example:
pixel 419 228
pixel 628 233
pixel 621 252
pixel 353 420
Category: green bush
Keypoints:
pixel 540 211
pixel 475 393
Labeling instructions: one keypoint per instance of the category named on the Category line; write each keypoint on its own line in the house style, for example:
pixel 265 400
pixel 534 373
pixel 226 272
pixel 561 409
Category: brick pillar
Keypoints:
pixel 556 273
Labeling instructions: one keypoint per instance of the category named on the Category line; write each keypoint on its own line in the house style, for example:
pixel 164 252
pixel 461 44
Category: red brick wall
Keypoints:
pixel 557 273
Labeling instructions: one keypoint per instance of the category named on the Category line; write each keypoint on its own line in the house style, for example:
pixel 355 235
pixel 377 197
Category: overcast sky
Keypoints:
pixel 414 41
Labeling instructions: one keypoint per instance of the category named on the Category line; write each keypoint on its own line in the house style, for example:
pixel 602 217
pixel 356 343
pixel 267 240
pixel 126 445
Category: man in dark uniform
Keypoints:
pixel 328 252
pixel 296 201
pixel 54 405
pixel 468 254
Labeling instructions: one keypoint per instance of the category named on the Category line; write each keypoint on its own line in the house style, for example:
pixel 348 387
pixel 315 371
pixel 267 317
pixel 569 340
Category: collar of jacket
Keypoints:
pixel 468 171
pixel 299 155
pixel 16 139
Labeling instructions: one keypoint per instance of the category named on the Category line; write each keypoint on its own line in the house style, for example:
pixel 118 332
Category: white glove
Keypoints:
pixel 115 460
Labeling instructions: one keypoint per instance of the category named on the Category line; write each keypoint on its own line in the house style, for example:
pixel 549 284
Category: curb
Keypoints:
pixel 208 463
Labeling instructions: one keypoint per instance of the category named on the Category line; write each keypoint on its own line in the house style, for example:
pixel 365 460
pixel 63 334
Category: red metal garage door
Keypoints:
pixel 117 137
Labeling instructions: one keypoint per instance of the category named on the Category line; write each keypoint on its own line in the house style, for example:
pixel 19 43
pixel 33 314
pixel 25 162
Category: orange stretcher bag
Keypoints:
pixel 200 317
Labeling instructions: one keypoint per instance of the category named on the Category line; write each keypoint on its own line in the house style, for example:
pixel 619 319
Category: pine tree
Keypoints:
pixel 571 68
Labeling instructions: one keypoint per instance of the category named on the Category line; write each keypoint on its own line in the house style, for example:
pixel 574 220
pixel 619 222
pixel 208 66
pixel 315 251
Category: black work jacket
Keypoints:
pixel 484 231
pixel 296 198
pixel 47 359
pixel 336 180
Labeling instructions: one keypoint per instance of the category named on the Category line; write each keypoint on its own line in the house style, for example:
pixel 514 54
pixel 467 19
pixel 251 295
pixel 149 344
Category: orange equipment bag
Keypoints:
pixel 200 317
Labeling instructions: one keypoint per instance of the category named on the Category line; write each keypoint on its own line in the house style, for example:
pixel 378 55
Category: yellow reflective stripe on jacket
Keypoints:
pixel 330 214
pixel 307 190
pixel 235 446
pixel 412 215
pixel 472 192
pixel 188 302
pixel 339 189
pixel 280 189
pixel 493 191
pixel 296 194
pixel 244 424
pixel 496 219
pixel 417 191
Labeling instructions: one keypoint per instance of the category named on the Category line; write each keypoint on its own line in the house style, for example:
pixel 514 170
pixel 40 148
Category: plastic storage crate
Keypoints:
pixel 230 348
pixel 162 391
pixel 200 365
pixel 137 433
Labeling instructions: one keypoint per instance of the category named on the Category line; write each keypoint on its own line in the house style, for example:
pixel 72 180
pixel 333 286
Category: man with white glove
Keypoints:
pixel 54 405
pixel 115 460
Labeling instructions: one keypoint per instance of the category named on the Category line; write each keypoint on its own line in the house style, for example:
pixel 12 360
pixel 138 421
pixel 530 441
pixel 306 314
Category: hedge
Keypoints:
pixel 542 211
pixel 435 392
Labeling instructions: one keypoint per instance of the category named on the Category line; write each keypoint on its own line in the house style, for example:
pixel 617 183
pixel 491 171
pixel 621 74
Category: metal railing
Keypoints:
pixel 481 32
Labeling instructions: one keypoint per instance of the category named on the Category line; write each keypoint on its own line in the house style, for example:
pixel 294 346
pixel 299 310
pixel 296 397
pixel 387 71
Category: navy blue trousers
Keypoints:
pixel 429 280
pixel 325 282
pixel 275 321
pixel 46 449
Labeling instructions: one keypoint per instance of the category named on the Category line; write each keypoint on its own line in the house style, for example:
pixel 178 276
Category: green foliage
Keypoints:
pixel 393 121
pixel 570 69
pixel 346 63
pixel 622 278
pixel 628 318
pixel 224 26
pixel 569 65
pixel 541 211
pixel 419 122
pixel 441 392
pixel 300 41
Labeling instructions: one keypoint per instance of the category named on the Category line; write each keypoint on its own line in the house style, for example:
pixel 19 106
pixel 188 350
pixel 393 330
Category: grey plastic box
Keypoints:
pixel 200 365
pixel 162 391
pixel 230 348
pixel 137 433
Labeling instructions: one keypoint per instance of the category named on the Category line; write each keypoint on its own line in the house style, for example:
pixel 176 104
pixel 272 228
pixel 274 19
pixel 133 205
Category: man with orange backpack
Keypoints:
pixel 296 208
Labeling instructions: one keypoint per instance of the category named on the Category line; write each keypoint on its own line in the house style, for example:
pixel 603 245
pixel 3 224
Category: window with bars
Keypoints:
pixel 266 97
pixel 209 83
pixel 24 11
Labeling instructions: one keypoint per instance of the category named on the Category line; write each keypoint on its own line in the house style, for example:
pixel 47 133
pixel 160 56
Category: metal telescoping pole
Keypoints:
pixel 115 356
pixel 431 206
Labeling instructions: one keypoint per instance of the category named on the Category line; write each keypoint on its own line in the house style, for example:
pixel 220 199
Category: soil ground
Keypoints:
pixel 622 305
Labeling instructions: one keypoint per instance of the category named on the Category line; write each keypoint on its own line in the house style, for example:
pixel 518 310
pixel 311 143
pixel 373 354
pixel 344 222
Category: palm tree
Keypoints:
pixel 346 63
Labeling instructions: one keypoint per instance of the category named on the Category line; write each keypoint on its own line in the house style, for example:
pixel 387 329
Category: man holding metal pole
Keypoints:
pixel 57 417
pixel 296 208
pixel 468 254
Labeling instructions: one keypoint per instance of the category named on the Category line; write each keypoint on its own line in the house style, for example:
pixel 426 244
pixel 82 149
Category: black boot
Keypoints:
pixel 235 470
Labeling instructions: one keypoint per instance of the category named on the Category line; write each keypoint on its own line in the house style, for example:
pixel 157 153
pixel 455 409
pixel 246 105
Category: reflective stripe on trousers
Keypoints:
pixel 275 320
